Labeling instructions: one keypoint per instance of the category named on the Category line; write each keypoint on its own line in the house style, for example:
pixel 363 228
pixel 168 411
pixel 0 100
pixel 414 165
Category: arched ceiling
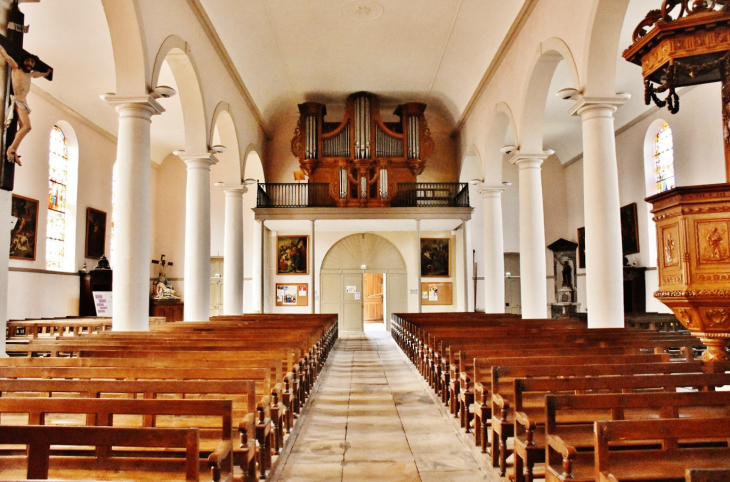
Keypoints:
pixel 287 52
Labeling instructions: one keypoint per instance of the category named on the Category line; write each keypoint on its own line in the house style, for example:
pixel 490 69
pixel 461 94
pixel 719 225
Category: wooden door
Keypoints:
pixel 352 301
pixel 373 297
pixel 512 295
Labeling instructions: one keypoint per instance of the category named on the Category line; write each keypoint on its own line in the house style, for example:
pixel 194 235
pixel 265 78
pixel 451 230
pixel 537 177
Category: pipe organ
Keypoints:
pixel 362 158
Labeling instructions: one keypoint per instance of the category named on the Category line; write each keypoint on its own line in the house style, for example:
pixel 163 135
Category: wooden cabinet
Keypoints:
pixel 172 310
pixel 94 280
pixel 634 290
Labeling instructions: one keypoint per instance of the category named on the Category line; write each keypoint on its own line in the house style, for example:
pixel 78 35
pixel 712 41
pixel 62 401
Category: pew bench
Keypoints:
pixel 39 462
pixel 533 410
pixel 670 460
pixel 212 418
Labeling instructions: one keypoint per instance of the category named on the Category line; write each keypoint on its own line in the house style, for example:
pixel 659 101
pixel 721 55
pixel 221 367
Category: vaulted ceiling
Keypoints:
pixel 287 52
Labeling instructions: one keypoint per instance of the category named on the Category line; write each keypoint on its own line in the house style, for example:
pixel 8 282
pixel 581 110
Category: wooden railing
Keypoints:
pixel 431 194
pixel 293 195
pixel 421 194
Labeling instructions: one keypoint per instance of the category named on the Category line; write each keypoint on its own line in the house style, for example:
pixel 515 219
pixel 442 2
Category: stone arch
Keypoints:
pixel 602 44
pixel 128 45
pixel 549 54
pixel 255 170
pixel 223 132
pixel 502 132
pixel 355 250
pixel 346 258
pixel 176 52
pixel 471 165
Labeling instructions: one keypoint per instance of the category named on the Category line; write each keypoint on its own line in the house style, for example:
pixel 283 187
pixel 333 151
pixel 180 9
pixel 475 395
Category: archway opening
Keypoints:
pixel 342 278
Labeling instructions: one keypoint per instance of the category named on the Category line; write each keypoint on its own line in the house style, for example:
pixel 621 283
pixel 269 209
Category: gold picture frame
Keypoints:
pixel 292 255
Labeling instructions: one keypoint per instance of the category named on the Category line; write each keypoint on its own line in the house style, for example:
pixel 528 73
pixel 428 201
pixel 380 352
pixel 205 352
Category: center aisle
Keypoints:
pixel 372 418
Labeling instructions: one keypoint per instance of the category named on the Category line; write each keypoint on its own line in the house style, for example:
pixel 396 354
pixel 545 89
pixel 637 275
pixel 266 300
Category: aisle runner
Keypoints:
pixel 372 419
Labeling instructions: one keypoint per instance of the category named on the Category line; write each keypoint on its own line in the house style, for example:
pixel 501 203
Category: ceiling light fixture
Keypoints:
pixel 163 91
pixel 218 149
pixel 567 93
pixel 508 149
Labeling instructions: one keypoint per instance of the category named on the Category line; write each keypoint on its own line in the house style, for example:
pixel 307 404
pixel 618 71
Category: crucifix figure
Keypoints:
pixel 20 76
pixel 21 67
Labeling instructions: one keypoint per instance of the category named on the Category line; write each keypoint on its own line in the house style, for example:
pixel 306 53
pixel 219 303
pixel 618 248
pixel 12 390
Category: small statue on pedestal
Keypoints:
pixel 161 287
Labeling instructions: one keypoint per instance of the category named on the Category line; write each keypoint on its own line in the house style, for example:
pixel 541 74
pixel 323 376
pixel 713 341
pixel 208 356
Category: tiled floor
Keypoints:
pixel 373 418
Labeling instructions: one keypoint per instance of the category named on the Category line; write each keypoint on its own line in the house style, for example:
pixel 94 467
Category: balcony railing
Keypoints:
pixel 293 195
pixel 432 194
pixel 415 194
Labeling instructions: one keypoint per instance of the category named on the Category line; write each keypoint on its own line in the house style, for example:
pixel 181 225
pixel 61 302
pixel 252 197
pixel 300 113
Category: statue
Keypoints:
pixel 567 274
pixel 161 287
pixel 20 79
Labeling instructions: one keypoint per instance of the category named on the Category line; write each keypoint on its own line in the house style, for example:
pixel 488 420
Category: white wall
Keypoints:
pixel 32 295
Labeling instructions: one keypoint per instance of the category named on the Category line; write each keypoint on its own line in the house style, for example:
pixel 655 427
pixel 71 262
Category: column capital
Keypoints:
pixel 197 161
pixel 232 189
pixel 585 104
pixel 490 190
pixel 529 159
pixel 142 102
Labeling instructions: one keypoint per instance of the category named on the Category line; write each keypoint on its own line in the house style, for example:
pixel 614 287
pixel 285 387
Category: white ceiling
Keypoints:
pixel 287 52
pixel 434 51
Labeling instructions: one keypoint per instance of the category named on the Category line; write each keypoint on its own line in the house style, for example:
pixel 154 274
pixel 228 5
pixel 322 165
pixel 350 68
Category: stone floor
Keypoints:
pixel 372 417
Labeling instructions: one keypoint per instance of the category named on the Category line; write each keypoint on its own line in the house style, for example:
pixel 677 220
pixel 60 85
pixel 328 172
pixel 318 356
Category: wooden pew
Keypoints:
pixel 707 475
pixel 241 394
pixel 212 418
pixel 570 424
pixel 668 462
pixel 531 408
pixel 40 438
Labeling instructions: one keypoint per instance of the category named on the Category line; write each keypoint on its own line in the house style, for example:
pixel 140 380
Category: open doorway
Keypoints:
pixel 373 289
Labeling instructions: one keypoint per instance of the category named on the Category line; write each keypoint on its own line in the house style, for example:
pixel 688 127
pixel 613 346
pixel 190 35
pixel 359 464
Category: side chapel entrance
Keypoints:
pixel 353 265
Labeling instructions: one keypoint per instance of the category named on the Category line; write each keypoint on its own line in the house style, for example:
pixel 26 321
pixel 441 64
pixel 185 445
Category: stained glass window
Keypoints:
pixel 57 181
pixel 664 159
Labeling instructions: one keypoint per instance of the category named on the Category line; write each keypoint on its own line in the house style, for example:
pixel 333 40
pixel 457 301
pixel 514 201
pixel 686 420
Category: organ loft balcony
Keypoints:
pixel 362 161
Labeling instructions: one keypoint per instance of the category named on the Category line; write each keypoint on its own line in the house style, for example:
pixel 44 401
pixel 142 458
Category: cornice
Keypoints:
pixel 504 47
pixel 210 31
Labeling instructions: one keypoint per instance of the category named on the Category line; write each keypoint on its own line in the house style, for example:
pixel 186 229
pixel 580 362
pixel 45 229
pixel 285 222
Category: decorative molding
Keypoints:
pixel 72 113
pixel 210 31
pixel 43 271
pixel 499 56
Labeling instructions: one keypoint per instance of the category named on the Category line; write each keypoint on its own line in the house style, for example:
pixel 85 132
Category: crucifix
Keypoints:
pixel 21 66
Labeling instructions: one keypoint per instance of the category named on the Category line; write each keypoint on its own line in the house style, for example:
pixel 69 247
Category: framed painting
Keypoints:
pixel 582 247
pixel 95 233
pixel 23 236
pixel 629 230
pixel 291 254
pixel 435 256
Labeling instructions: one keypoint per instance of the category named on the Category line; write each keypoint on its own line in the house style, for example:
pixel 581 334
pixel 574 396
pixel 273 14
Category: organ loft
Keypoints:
pixel 364 161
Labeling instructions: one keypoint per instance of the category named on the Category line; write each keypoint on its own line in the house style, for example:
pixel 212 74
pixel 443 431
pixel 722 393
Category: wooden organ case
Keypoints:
pixel 362 158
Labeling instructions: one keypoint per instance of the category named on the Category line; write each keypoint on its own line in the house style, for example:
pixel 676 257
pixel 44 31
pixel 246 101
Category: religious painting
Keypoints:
pixel 435 256
pixel 291 254
pixel 629 230
pixel 95 233
pixel 23 235
pixel 582 247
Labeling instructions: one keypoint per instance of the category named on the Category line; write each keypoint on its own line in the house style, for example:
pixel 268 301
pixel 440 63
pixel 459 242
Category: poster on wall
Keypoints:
pixel 292 294
pixel 435 256
pixel 23 235
pixel 437 293
pixel 291 254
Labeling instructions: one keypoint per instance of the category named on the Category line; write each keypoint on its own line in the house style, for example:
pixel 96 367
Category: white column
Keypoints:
pixel 197 235
pixel 132 213
pixel 233 251
pixel 601 206
pixel 533 276
pixel 6 226
pixel 257 281
pixel 493 249
pixel 418 264
pixel 311 262
pixel 6 200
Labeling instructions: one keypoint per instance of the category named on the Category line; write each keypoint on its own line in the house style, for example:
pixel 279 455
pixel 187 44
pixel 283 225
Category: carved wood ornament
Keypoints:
pixel 362 158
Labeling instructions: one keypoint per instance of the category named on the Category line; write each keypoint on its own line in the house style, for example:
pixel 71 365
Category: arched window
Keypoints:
pixel 664 159
pixel 58 177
